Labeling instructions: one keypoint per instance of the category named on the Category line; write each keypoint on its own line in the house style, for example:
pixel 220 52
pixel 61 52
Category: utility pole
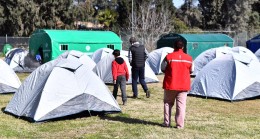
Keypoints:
pixel 132 18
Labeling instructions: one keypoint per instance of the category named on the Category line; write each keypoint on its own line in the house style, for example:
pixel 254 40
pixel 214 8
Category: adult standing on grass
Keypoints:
pixel 137 55
pixel 177 68
pixel 120 75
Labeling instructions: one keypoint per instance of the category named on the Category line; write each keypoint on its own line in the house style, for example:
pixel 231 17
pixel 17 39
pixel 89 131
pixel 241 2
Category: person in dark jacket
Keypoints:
pixel 120 75
pixel 137 55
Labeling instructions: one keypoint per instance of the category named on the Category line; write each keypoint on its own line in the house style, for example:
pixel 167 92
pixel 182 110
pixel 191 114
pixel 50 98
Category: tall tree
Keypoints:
pixel 52 12
pixel 211 11
pixel 190 14
pixel 150 20
pixel 124 11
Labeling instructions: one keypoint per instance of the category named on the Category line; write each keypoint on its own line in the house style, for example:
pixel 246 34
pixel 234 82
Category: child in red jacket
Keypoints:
pixel 120 75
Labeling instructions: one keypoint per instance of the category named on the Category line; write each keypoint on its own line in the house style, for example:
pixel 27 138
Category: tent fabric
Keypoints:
pixel 156 57
pixel 82 57
pixel 9 81
pixel 100 53
pixel 244 51
pixel 103 69
pixel 208 55
pixel 20 60
pixel 257 54
pixel 253 44
pixel 230 77
pixel 60 88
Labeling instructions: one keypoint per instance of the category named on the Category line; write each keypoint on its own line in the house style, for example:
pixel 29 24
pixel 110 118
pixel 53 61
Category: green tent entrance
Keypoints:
pixel 51 43
pixel 196 43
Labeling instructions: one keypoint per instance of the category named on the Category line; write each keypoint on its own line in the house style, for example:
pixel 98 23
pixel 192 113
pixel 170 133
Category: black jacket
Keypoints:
pixel 138 55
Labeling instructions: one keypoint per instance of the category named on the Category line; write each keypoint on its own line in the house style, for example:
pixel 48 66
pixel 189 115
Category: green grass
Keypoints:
pixel 141 118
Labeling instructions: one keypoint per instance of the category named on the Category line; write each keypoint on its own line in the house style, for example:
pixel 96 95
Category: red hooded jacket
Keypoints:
pixel 119 67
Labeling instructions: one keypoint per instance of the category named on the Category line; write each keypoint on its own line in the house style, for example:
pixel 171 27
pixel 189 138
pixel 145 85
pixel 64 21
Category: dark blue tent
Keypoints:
pixel 253 44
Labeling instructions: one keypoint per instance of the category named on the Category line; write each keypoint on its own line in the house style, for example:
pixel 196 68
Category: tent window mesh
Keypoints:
pixel 111 46
pixel 63 47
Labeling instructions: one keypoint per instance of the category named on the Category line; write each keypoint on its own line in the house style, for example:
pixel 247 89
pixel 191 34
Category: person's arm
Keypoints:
pixel 145 53
pixel 126 72
pixel 163 65
pixel 114 72
pixel 130 56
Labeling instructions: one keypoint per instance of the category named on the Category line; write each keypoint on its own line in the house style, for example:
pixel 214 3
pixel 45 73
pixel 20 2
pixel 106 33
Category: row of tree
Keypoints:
pixel 147 19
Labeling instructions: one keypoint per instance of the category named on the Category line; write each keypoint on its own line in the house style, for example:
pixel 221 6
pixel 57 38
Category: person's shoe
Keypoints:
pixel 124 103
pixel 148 93
pixel 135 97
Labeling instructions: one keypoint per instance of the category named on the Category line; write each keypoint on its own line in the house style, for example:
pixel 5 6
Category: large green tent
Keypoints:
pixel 7 47
pixel 196 43
pixel 51 43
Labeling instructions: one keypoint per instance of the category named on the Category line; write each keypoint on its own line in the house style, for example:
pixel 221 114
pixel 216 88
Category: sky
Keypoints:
pixel 178 3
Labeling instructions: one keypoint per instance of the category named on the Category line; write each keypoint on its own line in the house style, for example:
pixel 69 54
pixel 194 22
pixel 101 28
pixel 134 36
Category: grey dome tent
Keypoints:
pixel 100 53
pixel 82 57
pixel 103 69
pixel 230 77
pixel 208 55
pixel 60 88
pixel 156 57
pixel 20 60
pixel 9 81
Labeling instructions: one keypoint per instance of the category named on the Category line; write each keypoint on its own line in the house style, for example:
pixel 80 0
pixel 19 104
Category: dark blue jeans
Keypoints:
pixel 138 73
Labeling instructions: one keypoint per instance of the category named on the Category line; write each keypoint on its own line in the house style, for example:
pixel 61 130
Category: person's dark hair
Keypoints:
pixel 179 44
pixel 132 40
pixel 116 53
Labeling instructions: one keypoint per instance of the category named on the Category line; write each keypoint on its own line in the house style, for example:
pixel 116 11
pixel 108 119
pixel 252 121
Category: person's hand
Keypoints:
pixel 114 82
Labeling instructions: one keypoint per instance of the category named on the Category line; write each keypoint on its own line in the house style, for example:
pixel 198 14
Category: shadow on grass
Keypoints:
pixel 83 114
pixel 129 120
pixel 224 100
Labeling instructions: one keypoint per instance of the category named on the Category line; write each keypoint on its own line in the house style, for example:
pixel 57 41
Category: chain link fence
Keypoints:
pixel 17 42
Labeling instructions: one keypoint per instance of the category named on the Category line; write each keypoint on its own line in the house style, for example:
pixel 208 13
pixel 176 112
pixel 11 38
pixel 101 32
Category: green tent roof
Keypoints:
pixel 207 37
pixel 78 36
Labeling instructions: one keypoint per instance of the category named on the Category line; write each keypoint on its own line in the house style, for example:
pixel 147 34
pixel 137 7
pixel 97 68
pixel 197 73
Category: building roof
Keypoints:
pixel 80 36
pixel 207 37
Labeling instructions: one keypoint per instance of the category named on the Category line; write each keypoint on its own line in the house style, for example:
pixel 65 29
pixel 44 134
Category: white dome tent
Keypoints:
pixel 156 57
pixel 9 81
pixel 230 77
pixel 208 55
pixel 60 88
pixel 244 51
pixel 257 54
pixel 82 57
pixel 20 60
pixel 104 70
pixel 100 53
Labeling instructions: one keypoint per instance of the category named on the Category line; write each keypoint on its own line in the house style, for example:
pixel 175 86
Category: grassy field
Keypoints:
pixel 141 118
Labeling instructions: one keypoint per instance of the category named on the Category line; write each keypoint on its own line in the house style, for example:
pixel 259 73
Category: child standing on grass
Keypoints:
pixel 120 75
